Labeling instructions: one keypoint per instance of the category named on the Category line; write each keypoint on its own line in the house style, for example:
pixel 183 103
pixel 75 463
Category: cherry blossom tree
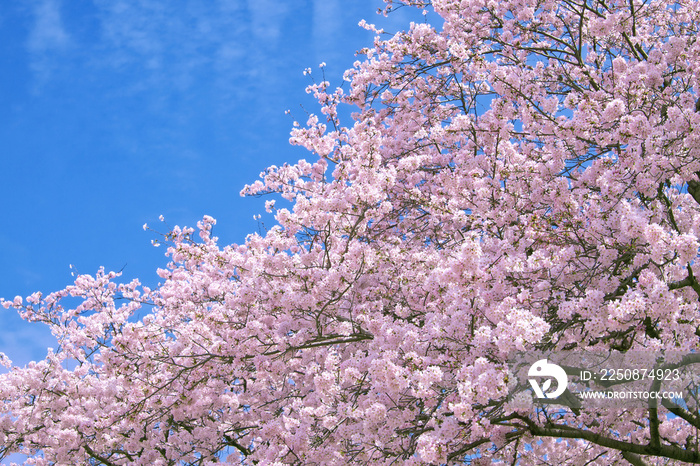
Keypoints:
pixel 522 176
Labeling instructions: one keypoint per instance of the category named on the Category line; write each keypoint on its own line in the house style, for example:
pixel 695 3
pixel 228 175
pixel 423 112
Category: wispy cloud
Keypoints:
pixel 166 41
pixel 47 38
pixel 326 14
pixel 176 45
pixel 267 17
pixel 47 33
pixel 162 48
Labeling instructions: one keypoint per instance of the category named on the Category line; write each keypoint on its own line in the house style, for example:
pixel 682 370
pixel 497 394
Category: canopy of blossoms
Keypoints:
pixel 520 177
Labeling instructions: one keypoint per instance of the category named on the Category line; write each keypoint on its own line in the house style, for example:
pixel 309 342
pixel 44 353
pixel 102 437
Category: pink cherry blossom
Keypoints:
pixel 522 175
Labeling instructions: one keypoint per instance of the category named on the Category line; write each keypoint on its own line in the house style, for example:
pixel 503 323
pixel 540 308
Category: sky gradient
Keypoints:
pixel 114 112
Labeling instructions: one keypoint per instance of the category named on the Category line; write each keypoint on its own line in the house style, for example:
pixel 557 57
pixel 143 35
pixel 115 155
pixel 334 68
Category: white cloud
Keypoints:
pixel 267 17
pixel 326 26
pixel 47 33
pixel 171 42
pixel 47 38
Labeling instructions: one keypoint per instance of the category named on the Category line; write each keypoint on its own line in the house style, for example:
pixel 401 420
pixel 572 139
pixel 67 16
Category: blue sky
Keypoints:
pixel 113 112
